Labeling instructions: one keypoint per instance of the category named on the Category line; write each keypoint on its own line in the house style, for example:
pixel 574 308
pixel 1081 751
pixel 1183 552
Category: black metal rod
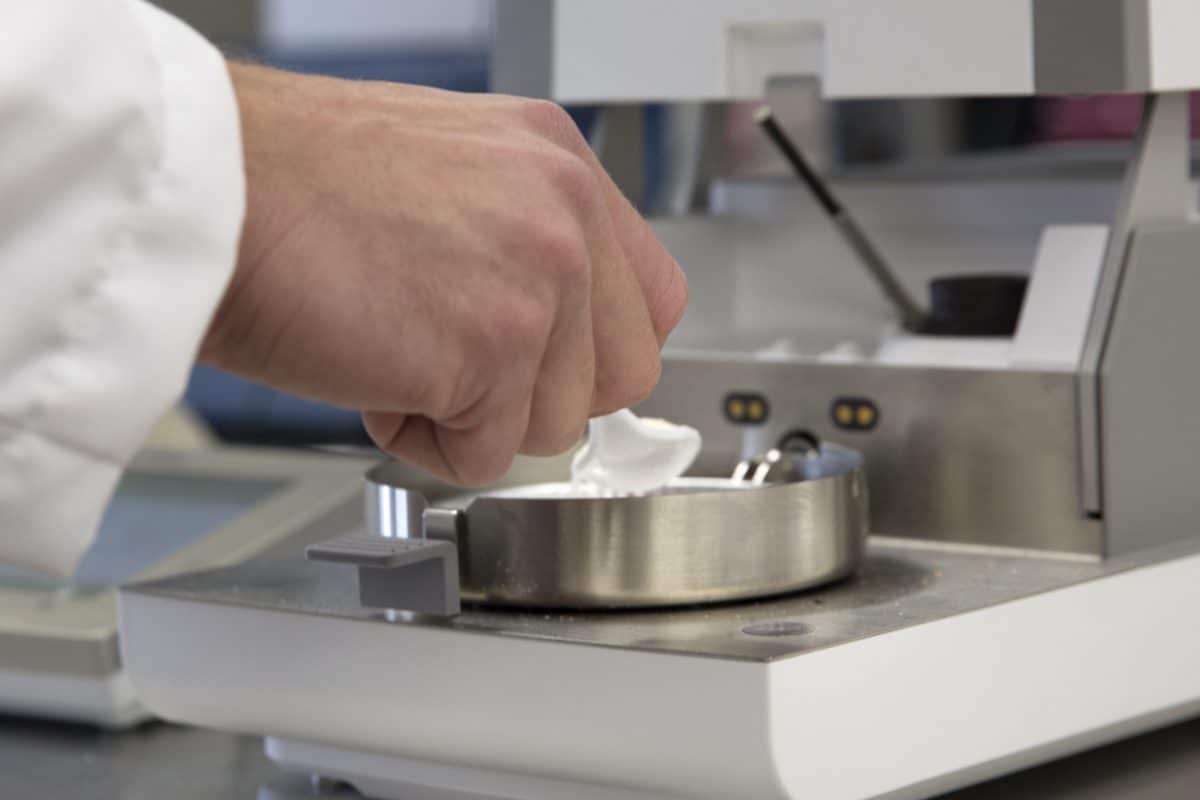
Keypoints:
pixel 912 316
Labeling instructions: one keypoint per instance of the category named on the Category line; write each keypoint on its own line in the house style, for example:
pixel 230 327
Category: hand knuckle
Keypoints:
pixel 551 120
pixel 520 327
pixel 574 179
pixel 562 252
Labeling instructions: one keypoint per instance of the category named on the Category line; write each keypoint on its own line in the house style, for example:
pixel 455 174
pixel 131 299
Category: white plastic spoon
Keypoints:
pixel 628 455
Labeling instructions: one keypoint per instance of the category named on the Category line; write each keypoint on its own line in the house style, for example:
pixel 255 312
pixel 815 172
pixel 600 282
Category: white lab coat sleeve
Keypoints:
pixel 121 201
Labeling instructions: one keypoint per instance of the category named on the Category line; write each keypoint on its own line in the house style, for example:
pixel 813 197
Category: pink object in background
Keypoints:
pixel 1105 117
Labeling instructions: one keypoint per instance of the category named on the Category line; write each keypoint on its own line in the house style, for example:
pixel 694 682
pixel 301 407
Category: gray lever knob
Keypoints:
pixel 411 574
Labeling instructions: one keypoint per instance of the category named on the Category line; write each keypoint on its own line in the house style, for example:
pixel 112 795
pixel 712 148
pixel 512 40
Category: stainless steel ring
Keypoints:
pixel 700 540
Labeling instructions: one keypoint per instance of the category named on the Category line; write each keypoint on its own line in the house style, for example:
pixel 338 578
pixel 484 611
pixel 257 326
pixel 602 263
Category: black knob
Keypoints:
pixel 975 305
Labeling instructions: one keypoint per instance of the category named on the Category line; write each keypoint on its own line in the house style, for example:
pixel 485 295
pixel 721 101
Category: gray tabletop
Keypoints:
pixel 42 760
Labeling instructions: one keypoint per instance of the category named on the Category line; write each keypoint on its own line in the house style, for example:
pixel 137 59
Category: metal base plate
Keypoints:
pixel 901 584
pixel 778 699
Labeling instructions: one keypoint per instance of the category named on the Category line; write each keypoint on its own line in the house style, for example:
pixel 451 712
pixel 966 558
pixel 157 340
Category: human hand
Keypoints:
pixel 458 267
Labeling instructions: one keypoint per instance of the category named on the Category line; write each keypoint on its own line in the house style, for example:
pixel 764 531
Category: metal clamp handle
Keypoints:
pixel 781 460
pixel 412 574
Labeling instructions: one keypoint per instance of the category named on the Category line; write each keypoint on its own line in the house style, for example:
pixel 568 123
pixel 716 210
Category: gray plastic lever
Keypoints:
pixel 411 574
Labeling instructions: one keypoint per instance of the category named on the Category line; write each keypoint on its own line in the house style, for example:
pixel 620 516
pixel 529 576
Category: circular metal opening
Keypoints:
pixel 777 627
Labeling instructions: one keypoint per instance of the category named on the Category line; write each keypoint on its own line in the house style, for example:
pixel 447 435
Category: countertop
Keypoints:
pixel 47 761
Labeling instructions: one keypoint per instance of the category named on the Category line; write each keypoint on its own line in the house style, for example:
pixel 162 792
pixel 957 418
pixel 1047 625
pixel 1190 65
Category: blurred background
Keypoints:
pixel 448 45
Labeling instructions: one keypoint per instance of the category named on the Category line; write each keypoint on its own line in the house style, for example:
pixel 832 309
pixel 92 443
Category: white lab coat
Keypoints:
pixel 121 201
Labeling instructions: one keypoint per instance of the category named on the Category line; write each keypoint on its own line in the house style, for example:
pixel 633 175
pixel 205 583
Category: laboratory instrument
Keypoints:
pixel 1037 536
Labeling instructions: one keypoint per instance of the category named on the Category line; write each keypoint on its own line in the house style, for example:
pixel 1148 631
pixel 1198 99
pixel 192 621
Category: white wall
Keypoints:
pixel 1174 33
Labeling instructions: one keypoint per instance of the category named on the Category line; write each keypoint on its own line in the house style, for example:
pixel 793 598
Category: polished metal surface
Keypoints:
pixel 695 541
pixel 900 584
pixel 794 458
pixel 995 457
pixel 968 455
pixel 49 761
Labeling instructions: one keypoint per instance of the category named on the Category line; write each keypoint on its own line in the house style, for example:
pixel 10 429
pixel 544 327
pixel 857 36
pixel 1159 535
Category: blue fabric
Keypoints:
pixel 465 71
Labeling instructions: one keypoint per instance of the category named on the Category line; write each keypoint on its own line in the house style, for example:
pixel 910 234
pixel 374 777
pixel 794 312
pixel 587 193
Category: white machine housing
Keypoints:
pixel 714 50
